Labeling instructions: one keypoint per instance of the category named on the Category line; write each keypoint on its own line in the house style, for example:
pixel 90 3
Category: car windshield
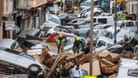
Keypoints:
pixel 102 20
pixel 55 20
pixel 85 10
pixel 129 24
pixel 85 4
pixel 63 15
pixel 11 51
pixel 101 43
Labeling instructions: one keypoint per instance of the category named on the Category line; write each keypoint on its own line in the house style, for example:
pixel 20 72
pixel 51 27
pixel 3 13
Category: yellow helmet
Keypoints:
pixel 60 35
pixel 77 38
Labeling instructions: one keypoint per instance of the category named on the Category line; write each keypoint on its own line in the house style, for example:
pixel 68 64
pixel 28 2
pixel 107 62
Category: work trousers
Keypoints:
pixel 60 47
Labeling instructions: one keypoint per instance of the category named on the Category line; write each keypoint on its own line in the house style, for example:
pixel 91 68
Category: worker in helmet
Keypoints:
pixel 127 44
pixel 60 43
pixel 76 45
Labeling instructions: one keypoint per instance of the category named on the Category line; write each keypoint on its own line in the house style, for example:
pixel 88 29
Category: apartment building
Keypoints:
pixel 21 13
pixel 132 7
pixel 6 19
pixel 30 13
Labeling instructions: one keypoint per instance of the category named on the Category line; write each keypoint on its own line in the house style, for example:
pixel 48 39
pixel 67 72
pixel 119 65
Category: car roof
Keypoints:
pixel 103 25
pixel 103 16
pixel 112 29
pixel 106 39
pixel 31 32
pixel 121 21
pixel 9 50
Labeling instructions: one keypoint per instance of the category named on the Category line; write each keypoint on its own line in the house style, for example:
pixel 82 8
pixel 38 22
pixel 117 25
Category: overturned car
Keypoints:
pixel 22 60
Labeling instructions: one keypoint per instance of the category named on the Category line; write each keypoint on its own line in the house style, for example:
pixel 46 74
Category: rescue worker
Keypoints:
pixel 76 45
pixel 135 48
pixel 127 45
pixel 76 72
pixel 68 4
pixel 60 43
pixel 126 40
pixel 122 16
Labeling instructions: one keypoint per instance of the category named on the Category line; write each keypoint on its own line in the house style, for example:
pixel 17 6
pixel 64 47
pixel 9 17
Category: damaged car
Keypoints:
pixel 23 60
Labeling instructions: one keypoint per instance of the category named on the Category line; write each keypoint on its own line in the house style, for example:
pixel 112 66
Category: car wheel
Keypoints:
pixel 97 13
pixel 34 68
pixel 41 75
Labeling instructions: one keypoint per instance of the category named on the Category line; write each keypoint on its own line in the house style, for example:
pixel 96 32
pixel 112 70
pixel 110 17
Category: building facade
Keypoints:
pixel 6 19
pixel 132 6
pixel 21 13
pixel 31 13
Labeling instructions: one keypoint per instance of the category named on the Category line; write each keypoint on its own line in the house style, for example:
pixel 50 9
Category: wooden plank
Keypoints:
pixel 107 62
pixel 96 67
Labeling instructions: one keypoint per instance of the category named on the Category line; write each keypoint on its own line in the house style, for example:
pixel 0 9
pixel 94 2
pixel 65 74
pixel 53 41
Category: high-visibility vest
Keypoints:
pixel 127 42
pixel 122 16
pixel 60 41
pixel 136 46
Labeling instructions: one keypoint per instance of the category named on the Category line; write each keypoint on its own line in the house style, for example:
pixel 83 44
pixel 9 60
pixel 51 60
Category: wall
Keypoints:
pixel 22 4
pixel 37 3
pixel 132 7
pixel 7 13
pixel 8 7
pixel 1 9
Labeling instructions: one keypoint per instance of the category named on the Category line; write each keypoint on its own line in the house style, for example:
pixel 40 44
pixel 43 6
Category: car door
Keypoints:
pixel 7 57
pixel 101 43
pixel 24 60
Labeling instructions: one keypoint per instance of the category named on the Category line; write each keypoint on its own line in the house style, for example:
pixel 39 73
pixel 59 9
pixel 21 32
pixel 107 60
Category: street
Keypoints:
pixel 68 39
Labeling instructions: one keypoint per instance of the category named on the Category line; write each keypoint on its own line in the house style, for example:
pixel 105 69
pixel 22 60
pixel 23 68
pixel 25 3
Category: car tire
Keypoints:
pixel 41 75
pixel 34 68
pixel 97 13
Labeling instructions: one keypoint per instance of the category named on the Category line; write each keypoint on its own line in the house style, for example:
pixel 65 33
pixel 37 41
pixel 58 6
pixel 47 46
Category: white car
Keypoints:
pixel 9 43
pixel 127 24
pixel 120 33
pixel 87 12
pixel 85 4
pixel 97 28
pixel 104 42
pixel 64 31
pixel 102 19
pixel 21 59
pixel 53 19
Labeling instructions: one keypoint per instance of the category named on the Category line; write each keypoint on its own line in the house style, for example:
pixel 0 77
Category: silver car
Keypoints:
pixel 21 59
pixel 9 43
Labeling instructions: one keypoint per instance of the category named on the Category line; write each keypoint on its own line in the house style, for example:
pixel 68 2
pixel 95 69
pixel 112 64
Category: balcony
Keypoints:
pixel 22 4
pixel 28 4
pixel 37 3
pixel 7 6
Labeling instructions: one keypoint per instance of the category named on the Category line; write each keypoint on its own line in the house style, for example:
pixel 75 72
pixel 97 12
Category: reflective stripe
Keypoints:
pixel 60 41
pixel 136 46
